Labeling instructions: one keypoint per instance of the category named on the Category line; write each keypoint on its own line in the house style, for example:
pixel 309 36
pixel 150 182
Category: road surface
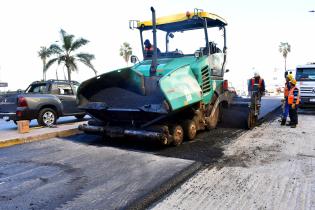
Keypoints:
pixel 88 172
pixel 236 115
pixel 269 167
pixel 75 174
pixel 269 103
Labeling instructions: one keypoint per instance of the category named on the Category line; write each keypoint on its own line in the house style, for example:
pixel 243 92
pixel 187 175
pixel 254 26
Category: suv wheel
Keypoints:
pixel 47 117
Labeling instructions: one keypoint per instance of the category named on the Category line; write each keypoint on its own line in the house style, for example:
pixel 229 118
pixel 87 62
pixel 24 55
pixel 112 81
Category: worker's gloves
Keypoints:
pixel 293 106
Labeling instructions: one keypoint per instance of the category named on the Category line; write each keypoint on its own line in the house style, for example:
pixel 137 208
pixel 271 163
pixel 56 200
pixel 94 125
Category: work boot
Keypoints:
pixel 293 126
pixel 283 122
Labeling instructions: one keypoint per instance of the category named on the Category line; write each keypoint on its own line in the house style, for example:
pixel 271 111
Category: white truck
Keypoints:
pixel 305 77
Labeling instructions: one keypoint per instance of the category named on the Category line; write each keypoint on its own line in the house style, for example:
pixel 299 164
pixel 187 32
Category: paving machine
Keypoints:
pixel 167 96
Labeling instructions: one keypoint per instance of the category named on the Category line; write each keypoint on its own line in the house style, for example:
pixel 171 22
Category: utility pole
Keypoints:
pixel 0 77
pixel 0 74
pixel 2 84
pixel 312 11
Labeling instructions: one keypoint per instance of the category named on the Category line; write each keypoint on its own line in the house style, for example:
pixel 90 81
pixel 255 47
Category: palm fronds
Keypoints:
pixel 64 53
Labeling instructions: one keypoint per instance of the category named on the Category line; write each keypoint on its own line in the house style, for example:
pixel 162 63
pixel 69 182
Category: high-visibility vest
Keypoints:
pixel 286 90
pixel 148 49
pixel 259 83
pixel 294 96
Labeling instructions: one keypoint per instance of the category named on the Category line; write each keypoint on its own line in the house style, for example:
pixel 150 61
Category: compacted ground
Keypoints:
pixel 270 167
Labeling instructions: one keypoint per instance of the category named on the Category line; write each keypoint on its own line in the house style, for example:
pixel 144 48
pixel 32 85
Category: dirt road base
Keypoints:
pixel 270 167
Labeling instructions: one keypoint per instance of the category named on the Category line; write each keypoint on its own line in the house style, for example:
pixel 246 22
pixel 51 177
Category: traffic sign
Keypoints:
pixel 3 84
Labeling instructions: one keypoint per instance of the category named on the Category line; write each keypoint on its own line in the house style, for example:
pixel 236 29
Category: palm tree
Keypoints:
pixel 65 53
pixel 125 51
pixel 44 53
pixel 285 48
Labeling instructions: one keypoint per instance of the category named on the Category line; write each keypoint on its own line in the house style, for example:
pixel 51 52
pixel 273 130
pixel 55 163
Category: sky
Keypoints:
pixel 254 32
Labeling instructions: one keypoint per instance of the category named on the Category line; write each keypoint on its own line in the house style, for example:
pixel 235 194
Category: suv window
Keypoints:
pixel 65 89
pixel 36 88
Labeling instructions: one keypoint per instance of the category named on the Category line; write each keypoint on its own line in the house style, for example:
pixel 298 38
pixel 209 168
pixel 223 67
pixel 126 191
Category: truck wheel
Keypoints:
pixel 190 129
pixel 79 116
pixel 213 121
pixel 177 135
pixel 47 117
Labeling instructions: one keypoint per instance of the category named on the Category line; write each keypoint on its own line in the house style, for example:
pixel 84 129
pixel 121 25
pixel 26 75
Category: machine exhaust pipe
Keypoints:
pixel 154 57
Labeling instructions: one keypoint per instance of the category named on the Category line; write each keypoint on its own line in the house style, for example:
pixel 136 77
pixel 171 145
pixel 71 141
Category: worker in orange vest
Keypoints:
pixel 257 84
pixel 148 48
pixel 293 102
pixel 287 88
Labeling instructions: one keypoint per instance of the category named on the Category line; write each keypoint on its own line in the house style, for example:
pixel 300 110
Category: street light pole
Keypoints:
pixel 312 11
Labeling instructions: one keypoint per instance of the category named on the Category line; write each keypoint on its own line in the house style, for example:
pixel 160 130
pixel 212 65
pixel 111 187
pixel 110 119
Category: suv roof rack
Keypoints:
pixel 56 81
pixel 60 80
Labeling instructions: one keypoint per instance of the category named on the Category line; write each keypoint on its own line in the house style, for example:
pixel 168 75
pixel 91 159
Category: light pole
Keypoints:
pixel 312 11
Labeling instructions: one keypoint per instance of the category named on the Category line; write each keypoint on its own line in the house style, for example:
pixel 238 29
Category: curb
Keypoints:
pixel 39 137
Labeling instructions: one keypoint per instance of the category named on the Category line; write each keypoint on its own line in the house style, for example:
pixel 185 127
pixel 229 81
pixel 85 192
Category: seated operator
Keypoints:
pixel 148 49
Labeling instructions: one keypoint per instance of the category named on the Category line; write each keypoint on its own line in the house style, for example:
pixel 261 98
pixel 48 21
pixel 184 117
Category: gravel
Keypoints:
pixel 270 167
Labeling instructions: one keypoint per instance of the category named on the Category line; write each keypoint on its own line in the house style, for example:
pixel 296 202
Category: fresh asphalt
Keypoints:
pixel 236 115
pixel 89 172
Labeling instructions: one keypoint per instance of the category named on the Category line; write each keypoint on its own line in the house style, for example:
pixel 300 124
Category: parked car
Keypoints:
pixel 44 101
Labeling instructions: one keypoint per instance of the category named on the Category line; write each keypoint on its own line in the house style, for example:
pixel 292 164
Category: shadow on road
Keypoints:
pixel 206 148
pixel 306 111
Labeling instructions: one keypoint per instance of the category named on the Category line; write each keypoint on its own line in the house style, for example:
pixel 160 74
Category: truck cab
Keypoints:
pixel 305 77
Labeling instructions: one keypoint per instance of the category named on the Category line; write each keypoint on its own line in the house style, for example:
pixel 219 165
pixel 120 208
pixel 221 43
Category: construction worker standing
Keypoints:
pixel 257 85
pixel 287 88
pixel 293 102
pixel 256 89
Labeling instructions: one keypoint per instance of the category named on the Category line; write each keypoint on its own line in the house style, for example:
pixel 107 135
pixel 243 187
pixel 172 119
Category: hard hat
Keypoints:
pixel 290 77
pixel 256 74
pixel 293 81
pixel 147 42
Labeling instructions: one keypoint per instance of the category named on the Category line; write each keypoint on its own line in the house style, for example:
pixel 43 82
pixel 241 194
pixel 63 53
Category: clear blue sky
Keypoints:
pixel 255 29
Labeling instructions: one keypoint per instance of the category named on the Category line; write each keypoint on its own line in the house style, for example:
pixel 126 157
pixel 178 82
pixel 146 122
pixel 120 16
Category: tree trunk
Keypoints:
pixel 64 75
pixel 69 73
pixel 126 59
pixel 44 73
pixel 56 73
pixel 285 64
